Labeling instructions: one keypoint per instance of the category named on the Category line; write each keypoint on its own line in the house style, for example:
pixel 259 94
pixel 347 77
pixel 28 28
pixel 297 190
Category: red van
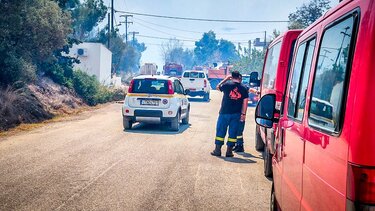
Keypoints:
pixel 275 73
pixel 325 146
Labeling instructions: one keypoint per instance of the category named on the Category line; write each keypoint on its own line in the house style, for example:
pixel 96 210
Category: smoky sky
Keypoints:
pixel 189 31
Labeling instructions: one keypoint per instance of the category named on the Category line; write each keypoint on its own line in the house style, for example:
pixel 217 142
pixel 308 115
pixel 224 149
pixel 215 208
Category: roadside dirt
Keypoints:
pixel 36 103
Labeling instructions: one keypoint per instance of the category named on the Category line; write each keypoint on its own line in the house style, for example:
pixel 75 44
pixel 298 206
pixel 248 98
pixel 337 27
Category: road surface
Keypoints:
pixel 90 163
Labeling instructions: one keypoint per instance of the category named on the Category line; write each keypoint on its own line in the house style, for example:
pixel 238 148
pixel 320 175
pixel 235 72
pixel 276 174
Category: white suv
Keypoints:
pixel 156 98
pixel 197 84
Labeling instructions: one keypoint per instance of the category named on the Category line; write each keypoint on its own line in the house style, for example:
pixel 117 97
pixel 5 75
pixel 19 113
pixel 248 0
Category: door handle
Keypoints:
pixel 282 136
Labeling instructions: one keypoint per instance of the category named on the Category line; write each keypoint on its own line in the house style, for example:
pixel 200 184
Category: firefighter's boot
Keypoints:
pixel 217 151
pixel 238 148
pixel 229 152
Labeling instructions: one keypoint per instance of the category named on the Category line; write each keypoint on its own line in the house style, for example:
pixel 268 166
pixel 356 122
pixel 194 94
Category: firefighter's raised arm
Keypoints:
pixel 223 81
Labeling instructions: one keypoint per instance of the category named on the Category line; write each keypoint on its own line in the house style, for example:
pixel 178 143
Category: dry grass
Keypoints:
pixel 8 98
pixel 76 114
pixel 41 103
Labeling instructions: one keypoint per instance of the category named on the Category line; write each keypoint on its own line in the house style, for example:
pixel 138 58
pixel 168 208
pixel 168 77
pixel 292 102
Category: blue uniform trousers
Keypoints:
pixel 230 123
pixel 241 127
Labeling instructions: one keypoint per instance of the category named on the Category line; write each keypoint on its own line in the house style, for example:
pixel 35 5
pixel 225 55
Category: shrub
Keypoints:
pixel 119 94
pixel 20 106
pixel 86 86
pixel 89 88
pixel 13 69
pixel 59 74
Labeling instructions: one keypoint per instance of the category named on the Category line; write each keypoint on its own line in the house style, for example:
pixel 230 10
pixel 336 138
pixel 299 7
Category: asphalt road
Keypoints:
pixel 90 163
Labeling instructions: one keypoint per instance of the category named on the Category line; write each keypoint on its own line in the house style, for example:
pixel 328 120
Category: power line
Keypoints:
pixel 203 19
pixel 197 32
pixel 176 37
pixel 158 44
pixel 162 31
pixel 164 38
pixel 186 40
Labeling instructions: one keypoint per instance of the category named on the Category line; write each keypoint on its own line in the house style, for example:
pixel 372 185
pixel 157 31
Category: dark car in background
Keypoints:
pixel 246 80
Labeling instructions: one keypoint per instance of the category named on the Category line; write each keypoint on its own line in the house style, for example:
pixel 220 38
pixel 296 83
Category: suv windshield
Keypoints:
pixel 193 75
pixel 151 86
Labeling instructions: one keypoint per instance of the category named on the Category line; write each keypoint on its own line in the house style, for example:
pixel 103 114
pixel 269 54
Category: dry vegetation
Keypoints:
pixel 35 103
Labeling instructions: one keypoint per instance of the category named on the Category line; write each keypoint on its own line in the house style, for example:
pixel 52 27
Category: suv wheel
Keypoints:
pixel 273 201
pixel 267 162
pixel 185 121
pixel 175 123
pixel 206 96
pixel 127 123
pixel 259 144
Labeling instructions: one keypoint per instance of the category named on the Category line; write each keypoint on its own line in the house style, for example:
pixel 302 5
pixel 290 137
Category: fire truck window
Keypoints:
pixel 305 78
pixel 328 88
pixel 293 89
pixel 270 68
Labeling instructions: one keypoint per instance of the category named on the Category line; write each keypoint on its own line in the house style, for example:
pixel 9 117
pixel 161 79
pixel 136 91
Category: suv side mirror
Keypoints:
pixel 265 111
pixel 254 81
pixel 187 91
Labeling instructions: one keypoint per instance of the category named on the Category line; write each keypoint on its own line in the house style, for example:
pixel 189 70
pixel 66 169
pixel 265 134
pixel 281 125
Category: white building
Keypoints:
pixel 95 59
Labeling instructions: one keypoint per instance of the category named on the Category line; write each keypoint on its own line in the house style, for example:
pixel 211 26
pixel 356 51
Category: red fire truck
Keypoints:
pixel 173 69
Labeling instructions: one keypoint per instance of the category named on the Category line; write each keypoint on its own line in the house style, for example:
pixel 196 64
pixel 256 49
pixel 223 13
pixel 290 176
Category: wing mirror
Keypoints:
pixel 265 111
pixel 187 91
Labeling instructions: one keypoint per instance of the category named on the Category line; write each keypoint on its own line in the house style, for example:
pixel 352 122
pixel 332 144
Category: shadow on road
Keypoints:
pixel 156 129
pixel 238 160
pixel 248 155
pixel 198 100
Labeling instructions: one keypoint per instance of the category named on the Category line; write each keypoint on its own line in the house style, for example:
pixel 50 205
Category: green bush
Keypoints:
pixel 89 88
pixel 13 69
pixel 58 73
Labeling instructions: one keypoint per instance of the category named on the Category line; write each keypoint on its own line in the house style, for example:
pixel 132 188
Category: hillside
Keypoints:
pixel 36 102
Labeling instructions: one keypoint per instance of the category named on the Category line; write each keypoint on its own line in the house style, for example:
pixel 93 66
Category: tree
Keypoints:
pixel 168 49
pixel 227 51
pixel 248 64
pixel 86 16
pixel 131 56
pixel 308 13
pixel 275 34
pixel 173 51
pixel 125 57
pixel 206 47
pixel 67 4
pixel 29 34
pixel 188 59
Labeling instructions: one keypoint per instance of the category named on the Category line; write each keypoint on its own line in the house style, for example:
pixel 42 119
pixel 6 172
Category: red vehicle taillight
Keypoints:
pixel 361 185
pixel 170 88
pixel 205 83
pixel 130 90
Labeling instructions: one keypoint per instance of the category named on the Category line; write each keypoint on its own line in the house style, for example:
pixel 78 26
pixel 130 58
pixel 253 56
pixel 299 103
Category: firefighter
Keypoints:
pixel 241 126
pixel 233 110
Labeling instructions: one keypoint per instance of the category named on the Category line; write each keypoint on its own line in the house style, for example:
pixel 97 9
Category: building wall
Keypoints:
pixel 97 61
pixel 105 65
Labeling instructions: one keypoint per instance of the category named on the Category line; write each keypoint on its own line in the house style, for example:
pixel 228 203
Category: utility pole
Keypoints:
pixel 342 42
pixel 126 26
pixel 109 30
pixel 134 33
pixel 265 40
pixel 113 15
pixel 249 51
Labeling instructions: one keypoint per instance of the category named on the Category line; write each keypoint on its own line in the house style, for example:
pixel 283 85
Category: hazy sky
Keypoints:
pixel 207 9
